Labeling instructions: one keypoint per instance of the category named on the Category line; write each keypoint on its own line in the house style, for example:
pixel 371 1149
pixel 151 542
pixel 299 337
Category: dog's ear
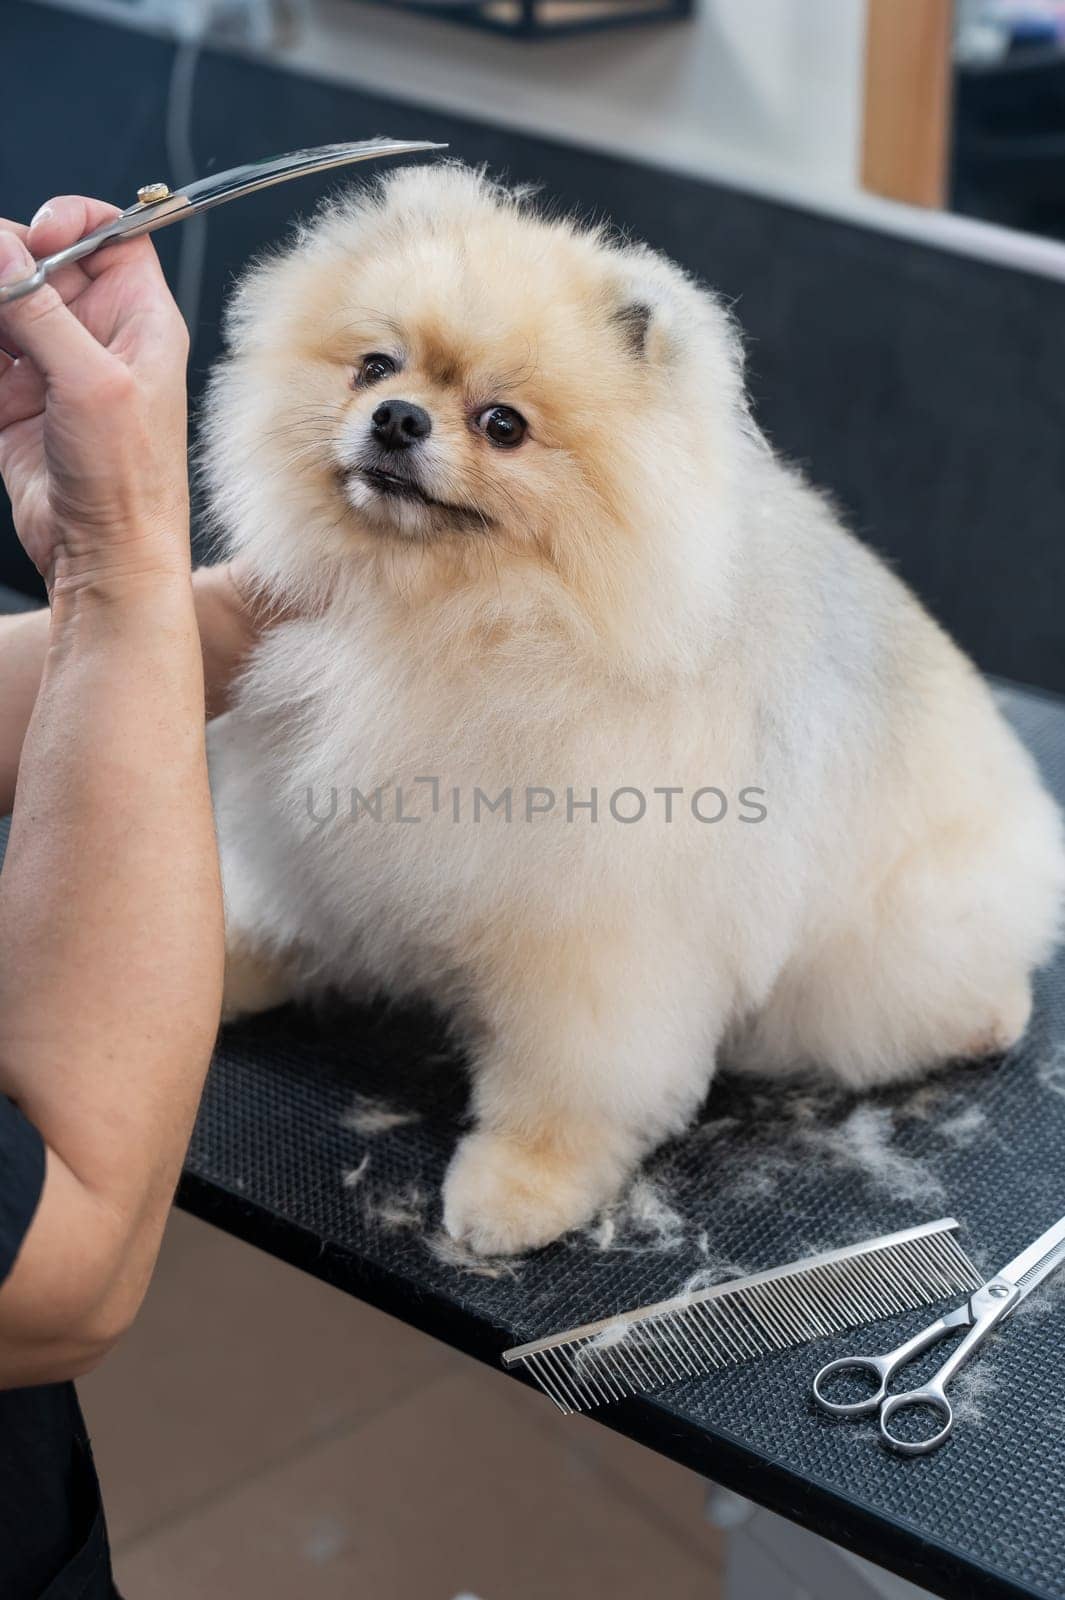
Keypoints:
pixel 663 319
pixel 643 305
pixel 634 321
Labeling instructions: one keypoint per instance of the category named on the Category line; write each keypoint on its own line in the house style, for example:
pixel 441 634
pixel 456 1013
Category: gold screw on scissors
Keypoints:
pixel 996 1300
pixel 151 192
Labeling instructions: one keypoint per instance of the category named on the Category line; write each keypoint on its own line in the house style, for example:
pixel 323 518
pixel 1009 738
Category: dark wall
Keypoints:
pixel 925 390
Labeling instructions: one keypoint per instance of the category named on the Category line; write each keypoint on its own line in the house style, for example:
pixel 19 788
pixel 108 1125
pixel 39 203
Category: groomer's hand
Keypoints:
pixel 92 406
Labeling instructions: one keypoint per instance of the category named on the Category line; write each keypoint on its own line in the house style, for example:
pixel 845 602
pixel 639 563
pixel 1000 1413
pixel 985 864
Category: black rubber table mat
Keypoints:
pixel 325 1141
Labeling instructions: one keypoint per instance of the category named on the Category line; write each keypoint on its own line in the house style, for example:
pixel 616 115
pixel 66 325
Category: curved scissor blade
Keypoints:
pixel 222 186
pixel 1029 1269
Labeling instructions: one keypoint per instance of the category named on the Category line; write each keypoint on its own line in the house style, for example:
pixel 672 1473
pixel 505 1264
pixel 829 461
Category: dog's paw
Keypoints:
pixel 502 1197
pixel 254 982
pixel 1004 1028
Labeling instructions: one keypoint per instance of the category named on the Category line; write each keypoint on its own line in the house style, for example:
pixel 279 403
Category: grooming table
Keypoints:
pixel 324 1141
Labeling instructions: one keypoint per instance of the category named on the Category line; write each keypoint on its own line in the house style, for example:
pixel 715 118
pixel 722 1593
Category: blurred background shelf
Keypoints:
pixel 542 19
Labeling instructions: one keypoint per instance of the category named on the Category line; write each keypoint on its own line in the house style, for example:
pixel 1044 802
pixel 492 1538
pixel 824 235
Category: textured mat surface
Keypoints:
pixel 326 1141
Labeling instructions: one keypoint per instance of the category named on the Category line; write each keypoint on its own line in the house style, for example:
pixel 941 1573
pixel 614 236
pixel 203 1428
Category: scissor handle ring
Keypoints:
pixel 874 1365
pixel 23 286
pixel 931 1395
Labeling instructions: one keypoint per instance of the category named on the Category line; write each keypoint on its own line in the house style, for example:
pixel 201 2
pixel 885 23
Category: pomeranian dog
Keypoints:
pixel 592 722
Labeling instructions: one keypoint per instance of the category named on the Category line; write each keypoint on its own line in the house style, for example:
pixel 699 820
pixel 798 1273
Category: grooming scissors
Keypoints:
pixel 992 1303
pixel 158 205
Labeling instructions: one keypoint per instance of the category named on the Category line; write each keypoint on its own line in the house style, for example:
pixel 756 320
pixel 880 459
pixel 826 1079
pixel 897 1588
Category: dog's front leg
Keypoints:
pixel 252 852
pixel 595 1048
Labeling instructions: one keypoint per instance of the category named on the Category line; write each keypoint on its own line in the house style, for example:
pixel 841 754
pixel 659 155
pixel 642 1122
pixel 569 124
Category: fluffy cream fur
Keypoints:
pixel 640 596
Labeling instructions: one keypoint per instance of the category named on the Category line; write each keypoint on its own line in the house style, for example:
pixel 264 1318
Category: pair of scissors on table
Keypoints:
pixel 992 1303
pixel 158 206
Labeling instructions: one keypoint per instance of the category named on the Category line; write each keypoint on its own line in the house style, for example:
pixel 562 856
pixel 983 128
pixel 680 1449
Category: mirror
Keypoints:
pixel 965 108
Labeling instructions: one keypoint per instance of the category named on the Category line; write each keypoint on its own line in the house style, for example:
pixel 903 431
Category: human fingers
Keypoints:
pixel 60 222
pixel 68 217
pixel 21 392
pixel 41 327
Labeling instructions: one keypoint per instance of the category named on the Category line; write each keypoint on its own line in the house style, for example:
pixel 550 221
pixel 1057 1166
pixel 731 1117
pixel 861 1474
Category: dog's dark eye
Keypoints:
pixel 503 425
pixel 375 368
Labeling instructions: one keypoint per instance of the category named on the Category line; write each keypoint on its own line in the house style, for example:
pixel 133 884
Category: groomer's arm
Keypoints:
pixel 23 647
pixel 110 908
pixel 229 622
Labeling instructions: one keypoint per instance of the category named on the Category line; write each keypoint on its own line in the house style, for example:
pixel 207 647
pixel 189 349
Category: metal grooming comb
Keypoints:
pixel 730 1322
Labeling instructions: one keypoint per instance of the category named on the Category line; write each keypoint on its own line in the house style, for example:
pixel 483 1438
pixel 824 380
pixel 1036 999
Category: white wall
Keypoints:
pixel 765 92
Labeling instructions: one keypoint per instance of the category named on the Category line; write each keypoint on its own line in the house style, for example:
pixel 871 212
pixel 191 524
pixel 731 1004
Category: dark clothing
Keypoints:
pixel 53 1541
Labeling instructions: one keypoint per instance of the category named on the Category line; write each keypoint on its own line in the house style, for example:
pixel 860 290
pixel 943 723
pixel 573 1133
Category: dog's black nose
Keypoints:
pixel 397 424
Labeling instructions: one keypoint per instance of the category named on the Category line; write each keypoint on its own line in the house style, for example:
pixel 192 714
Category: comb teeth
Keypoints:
pixel 696 1333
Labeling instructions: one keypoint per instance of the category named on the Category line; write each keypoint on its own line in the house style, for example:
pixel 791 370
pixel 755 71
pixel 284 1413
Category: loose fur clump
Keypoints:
pixel 371 1117
pixel 405 1208
pixel 964 1128
pixel 642 1221
pixel 970 1393
pixel 450 1253
pixel 864 1140
pixel 554 616
pixel 354 1175
pixel 1050 1071
pixel 804 1127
